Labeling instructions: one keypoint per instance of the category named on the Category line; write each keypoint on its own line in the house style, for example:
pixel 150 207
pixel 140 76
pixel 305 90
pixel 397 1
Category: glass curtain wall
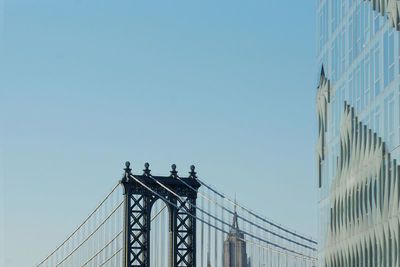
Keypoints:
pixel 360 52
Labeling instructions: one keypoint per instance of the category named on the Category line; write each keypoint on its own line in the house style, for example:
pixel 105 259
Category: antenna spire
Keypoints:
pixel 235 203
pixel 235 217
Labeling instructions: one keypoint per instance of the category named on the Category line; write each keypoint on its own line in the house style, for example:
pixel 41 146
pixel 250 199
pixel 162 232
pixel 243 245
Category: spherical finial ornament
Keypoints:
pixel 127 171
pixel 174 173
pixel 146 170
pixel 192 173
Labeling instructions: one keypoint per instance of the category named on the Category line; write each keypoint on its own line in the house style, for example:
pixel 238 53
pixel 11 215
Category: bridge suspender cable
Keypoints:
pixel 116 236
pixel 77 228
pixel 202 239
pixel 209 238
pixel 158 213
pixel 91 234
pixel 303 257
pixel 96 229
pixel 244 219
pixel 216 237
pixel 74 243
pixel 99 251
pixel 254 214
pixel 222 234
pixel 109 258
pixel 223 222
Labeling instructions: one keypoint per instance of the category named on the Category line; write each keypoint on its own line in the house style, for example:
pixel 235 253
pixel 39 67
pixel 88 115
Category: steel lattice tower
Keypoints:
pixel 137 212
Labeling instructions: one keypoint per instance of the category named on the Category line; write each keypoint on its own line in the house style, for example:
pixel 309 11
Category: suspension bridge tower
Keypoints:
pixel 140 193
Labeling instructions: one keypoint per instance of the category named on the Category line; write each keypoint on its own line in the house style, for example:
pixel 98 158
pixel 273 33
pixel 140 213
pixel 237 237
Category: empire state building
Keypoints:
pixel 234 254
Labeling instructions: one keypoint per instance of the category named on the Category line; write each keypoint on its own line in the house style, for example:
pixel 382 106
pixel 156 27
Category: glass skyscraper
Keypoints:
pixel 357 151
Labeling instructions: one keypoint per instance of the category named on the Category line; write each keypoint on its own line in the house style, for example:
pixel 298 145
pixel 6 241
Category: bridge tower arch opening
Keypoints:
pixel 140 194
pixel 159 234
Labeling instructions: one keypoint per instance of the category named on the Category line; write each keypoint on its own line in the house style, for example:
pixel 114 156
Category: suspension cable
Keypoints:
pixel 116 236
pixel 254 214
pixel 91 234
pixel 158 212
pixel 77 228
pixel 305 257
pixel 244 219
pixel 100 250
pixel 218 219
pixel 109 258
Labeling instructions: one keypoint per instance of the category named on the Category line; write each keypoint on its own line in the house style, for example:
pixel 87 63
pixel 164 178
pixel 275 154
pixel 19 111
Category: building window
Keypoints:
pixel 342 51
pixel 376 21
pixel 367 79
pixel 398 112
pixel 357 88
pixel 389 120
pixel 388 56
pixel 377 120
pixel 351 88
pixel 377 84
pixel 351 39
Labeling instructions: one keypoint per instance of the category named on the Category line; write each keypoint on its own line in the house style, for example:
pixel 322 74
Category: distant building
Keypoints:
pixel 234 254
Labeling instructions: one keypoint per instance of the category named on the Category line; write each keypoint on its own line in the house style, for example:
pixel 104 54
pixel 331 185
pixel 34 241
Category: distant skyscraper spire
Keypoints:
pixel 235 224
pixel 235 203
pixel 234 254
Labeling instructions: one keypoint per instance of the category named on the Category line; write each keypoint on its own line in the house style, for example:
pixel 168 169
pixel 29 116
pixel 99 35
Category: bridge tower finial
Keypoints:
pixel 127 171
pixel 174 172
pixel 192 173
pixel 146 170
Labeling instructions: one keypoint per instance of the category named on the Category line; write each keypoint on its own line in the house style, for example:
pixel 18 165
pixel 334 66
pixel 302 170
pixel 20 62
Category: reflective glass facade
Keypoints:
pixel 360 52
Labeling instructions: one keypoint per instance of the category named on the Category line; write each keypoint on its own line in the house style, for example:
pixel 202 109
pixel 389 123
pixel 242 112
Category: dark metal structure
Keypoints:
pixel 137 212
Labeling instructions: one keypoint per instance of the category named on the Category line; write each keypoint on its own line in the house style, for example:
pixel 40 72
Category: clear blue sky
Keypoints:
pixel 226 85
